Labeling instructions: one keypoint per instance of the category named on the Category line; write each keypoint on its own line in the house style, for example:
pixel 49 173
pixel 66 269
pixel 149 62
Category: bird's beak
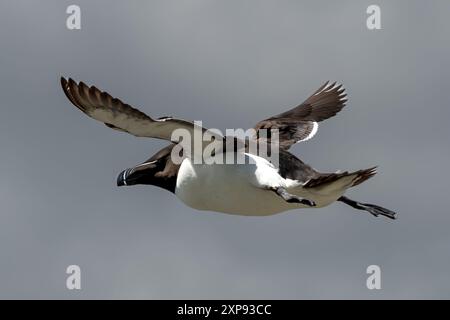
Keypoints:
pixel 140 174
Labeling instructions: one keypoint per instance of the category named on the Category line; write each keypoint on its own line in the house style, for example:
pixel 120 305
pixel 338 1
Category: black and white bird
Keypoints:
pixel 255 188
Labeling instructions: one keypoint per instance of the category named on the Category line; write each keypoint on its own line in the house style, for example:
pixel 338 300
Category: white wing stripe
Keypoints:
pixel 313 132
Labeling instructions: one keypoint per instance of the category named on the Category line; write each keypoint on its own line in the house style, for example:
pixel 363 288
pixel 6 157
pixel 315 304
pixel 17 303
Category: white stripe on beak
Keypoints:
pixel 124 177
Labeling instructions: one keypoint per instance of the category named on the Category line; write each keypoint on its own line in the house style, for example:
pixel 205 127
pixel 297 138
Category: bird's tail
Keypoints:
pixel 341 179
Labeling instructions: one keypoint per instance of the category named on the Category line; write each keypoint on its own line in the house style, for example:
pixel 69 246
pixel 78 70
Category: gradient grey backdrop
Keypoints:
pixel 230 64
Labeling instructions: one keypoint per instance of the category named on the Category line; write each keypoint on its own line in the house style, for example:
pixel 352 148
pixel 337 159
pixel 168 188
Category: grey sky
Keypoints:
pixel 229 64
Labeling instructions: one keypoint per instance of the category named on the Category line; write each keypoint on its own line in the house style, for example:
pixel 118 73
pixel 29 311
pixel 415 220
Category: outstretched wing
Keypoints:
pixel 115 114
pixel 301 122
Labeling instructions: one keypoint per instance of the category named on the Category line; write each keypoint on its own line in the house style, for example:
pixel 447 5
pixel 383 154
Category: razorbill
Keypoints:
pixel 254 188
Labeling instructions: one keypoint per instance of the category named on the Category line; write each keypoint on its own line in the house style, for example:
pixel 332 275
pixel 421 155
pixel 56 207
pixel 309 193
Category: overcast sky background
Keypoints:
pixel 229 64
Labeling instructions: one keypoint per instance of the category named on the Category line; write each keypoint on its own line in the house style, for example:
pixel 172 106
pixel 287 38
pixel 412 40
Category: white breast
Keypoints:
pixel 232 188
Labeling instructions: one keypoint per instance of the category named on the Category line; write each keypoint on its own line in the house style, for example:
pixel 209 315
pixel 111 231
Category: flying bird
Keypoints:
pixel 254 188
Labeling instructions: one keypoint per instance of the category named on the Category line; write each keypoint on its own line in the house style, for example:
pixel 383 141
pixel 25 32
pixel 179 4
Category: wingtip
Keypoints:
pixel 63 81
pixel 332 86
pixel 70 89
pixel 83 85
pixel 321 88
pixel 67 80
pixel 372 171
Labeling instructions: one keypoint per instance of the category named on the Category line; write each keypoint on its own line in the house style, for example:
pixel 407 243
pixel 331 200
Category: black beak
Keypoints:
pixel 122 178
pixel 140 174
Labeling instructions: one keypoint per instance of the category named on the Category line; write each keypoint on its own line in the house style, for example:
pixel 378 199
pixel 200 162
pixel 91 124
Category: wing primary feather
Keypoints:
pixel 298 124
pixel 118 115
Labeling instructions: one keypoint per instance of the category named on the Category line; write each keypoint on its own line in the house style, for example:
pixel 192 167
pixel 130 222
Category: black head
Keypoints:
pixel 158 171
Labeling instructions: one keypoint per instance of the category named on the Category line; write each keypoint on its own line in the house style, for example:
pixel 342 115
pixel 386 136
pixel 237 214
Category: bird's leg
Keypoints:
pixel 371 208
pixel 292 198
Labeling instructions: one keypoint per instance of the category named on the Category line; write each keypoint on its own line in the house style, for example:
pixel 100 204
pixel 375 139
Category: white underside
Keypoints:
pixel 243 189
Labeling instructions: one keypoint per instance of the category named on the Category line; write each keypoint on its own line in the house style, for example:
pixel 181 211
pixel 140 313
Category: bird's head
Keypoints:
pixel 159 171
pixel 141 174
